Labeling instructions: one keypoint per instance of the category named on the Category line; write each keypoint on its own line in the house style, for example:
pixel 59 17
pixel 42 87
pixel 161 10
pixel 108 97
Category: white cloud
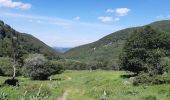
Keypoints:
pixel 122 11
pixel 12 4
pixel 58 27
pixel 64 23
pixel 77 18
pixel 108 19
pixel 109 11
pixel 105 18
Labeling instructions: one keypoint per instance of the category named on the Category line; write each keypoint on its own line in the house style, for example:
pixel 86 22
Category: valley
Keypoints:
pixel 84 50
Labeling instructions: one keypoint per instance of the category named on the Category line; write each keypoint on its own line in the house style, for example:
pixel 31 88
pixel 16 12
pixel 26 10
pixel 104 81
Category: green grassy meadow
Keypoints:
pixel 85 85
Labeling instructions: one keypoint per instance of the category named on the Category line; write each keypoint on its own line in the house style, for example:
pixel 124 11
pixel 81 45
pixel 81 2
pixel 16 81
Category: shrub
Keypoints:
pixel 151 80
pixel 150 97
pixel 55 67
pixel 75 65
pixel 13 82
pixel 36 67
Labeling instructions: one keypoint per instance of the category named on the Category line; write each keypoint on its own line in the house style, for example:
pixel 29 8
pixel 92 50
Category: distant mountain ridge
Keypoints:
pixel 109 47
pixel 29 43
pixel 62 49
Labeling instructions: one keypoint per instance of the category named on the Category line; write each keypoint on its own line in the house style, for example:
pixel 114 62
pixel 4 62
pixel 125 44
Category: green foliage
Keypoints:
pixel 151 80
pixel 165 63
pixel 80 65
pixel 105 49
pixel 39 68
pixel 143 51
pixel 3 96
pixel 55 67
pixel 6 66
pixel 75 65
pixel 36 67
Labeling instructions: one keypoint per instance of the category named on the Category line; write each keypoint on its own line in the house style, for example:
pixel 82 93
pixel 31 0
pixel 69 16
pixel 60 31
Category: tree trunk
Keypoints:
pixel 14 67
pixel 14 71
pixel 50 78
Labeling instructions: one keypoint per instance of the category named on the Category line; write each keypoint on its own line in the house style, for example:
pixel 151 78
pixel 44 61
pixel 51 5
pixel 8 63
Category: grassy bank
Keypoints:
pixel 86 85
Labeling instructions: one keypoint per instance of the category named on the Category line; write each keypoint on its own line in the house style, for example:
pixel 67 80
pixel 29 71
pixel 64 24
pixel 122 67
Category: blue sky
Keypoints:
pixel 69 23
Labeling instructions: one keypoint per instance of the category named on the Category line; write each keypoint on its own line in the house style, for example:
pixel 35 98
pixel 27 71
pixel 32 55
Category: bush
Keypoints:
pixel 55 67
pixel 13 82
pixel 151 80
pixel 36 67
pixel 81 65
pixel 150 97
pixel 75 65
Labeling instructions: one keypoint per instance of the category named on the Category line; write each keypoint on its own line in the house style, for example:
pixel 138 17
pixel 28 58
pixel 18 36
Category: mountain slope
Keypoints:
pixel 109 47
pixel 29 43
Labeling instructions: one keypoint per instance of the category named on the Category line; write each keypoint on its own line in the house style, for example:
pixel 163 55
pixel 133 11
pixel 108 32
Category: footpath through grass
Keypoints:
pixel 86 85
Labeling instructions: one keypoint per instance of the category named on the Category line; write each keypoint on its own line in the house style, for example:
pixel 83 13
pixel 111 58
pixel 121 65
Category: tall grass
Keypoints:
pixel 85 85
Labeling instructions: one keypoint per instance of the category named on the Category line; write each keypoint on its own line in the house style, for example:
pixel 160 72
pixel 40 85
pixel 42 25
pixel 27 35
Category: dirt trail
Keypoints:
pixel 64 96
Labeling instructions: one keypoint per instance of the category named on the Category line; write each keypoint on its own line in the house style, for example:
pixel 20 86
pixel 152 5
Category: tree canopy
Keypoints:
pixel 144 50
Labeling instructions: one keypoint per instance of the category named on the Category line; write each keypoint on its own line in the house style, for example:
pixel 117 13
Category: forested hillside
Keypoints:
pixel 27 42
pixel 109 47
